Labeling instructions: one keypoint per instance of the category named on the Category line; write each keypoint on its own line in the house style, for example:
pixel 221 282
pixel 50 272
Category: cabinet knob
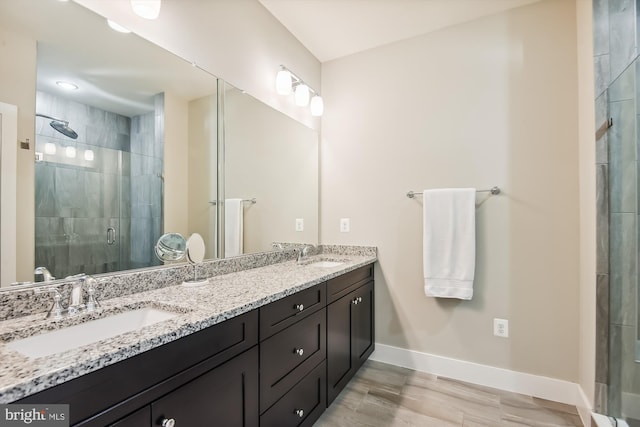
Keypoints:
pixel 354 301
pixel 299 412
pixel 299 351
pixel 359 299
pixel 299 307
pixel 168 422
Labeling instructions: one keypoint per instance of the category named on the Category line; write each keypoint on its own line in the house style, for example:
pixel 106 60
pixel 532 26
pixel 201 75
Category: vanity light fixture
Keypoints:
pixel 117 27
pixel 147 9
pixel 67 85
pixel 88 155
pixel 287 82
pixel 70 152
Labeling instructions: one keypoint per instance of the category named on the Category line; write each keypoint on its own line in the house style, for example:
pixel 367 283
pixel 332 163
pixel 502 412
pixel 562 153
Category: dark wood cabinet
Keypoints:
pixel 280 365
pixel 350 336
pixel 225 396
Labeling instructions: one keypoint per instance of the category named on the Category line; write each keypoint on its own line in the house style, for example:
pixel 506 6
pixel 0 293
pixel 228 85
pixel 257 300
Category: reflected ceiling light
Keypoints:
pixel 70 152
pixel 286 81
pixel 147 9
pixel 88 155
pixel 117 27
pixel 283 82
pixel 67 85
pixel 50 148
pixel 317 106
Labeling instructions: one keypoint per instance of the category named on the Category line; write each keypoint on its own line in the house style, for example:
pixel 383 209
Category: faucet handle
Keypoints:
pixel 56 309
pixel 92 301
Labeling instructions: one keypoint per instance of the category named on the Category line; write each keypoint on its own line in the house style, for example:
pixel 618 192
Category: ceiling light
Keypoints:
pixel 317 106
pixel 301 95
pixel 283 82
pixel 70 152
pixel 67 85
pixel 50 148
pixel 147 9
pixel 88 155
pixel 117 27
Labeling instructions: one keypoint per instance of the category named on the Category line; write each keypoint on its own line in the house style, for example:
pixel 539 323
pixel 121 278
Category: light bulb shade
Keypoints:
pixel 301 95
pixel 50 148
pixel 147 9
pixel 88 155
pixel 317 106
pixel 70 152
pixel 283 82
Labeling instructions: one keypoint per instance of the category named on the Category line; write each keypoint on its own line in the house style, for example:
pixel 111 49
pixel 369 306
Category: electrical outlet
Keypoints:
pixel 299 224
pixel 501 328
pixel 345 225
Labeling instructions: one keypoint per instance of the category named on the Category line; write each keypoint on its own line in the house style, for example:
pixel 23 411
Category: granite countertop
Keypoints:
pixel 196 308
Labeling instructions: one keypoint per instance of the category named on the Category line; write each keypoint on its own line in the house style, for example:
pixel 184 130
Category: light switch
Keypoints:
pixel 345 225
pixel 299 224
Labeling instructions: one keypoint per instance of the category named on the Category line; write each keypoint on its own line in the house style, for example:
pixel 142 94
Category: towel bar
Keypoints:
pixel 493 190
pixel 252 201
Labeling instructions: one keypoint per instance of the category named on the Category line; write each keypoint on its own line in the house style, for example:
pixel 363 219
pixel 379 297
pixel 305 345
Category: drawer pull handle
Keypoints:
pixel 299 412
pixel 359 300
pixel 299 351
pixel 299 307
pixel 168 422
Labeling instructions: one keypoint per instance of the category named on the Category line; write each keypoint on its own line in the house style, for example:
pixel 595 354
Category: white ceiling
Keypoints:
pixel 332 29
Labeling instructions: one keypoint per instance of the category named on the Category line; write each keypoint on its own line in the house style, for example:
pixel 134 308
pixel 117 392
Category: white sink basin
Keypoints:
pixel 325 264
pixel 89 332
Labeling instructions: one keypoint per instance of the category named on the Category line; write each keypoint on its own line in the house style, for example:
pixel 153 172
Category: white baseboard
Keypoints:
pixel 490 376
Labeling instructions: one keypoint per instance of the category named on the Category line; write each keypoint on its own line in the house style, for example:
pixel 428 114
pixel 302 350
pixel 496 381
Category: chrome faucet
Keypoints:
pixel 303 252
pixel 46 275
pixel 76 300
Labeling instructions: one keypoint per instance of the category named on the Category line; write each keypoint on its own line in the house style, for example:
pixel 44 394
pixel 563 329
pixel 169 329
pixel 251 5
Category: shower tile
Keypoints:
pixel 602 115
pixel 624 87
pixel 602 75
pixel 622 34
pixel 600 400
pixel 45 190
pixel 602 219
pixel 141 241
pixel 615 370
pixel 600 27
pixel 122 142
pixel 125 199
pixel 630 368
pixel 93 193
pixel 602 328
pixel 110 199
pixel 623 269
pixel 68 189
pixel 622 157
pixel 123 125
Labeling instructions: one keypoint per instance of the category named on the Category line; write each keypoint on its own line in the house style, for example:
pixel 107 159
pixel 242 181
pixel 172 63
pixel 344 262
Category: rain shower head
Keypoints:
pixel 61 126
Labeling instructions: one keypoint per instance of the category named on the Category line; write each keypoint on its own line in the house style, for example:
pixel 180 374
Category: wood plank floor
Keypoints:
pixel 382 395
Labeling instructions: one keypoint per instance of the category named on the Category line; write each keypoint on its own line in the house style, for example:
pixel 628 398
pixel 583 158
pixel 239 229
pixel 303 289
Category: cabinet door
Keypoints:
pixel 225 396
pixel 350 337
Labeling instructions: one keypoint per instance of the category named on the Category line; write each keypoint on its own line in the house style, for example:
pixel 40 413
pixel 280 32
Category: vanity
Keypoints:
pixel 268 346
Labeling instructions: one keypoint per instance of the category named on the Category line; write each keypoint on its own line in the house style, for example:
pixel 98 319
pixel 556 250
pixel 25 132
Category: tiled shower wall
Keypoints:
pixel 77 199
pixel 616 74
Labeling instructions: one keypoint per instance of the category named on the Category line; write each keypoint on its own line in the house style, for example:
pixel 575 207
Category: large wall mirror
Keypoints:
pixel 135 152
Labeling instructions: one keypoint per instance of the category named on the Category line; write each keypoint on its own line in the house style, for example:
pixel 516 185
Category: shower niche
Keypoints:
pixel 98 197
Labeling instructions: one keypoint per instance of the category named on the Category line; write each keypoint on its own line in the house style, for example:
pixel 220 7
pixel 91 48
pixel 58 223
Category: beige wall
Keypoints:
pixel 587 151
pixel 176 160
pixel 18 72
pixel 273 158
pixel 239 41
pixel 203 128
pixel 490 102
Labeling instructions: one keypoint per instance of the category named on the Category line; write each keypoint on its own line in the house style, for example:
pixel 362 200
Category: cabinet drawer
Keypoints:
pixel 140 418
pixel 278 315
pixel 342 285
pixel 289 355
pixel 302 405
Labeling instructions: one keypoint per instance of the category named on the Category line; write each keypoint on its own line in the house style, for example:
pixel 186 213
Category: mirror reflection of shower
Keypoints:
pixel 98 201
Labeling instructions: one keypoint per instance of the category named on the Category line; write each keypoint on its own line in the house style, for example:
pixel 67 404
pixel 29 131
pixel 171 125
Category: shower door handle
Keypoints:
pixel 111 236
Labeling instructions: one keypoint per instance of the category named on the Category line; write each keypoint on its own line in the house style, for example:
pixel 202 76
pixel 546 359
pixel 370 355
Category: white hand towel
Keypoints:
pixel 233 224
pixel 449 254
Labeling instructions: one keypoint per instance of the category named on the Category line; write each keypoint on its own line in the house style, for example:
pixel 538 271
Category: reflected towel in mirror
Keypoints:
pixel 233 225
